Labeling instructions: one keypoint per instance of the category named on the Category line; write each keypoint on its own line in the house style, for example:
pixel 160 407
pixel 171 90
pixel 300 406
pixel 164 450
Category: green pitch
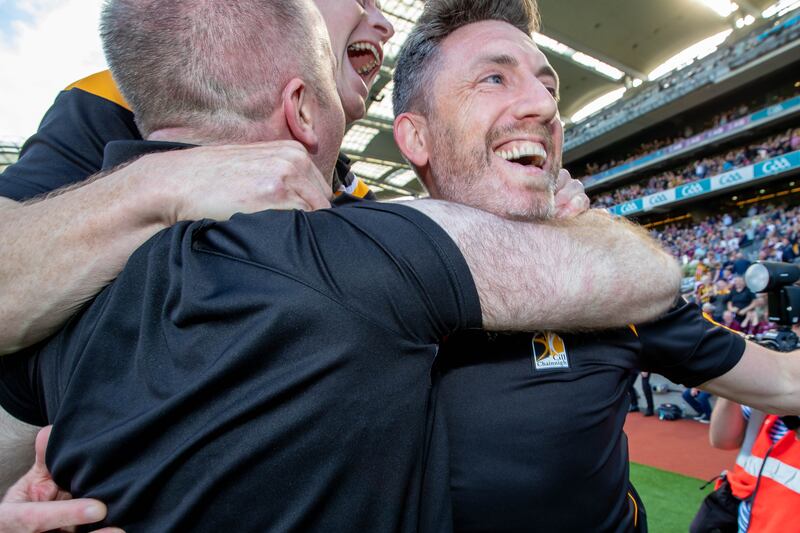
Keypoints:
pixel 671 499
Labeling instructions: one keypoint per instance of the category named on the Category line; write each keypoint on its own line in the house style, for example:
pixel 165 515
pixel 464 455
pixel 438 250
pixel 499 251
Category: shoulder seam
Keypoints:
pixel 102 85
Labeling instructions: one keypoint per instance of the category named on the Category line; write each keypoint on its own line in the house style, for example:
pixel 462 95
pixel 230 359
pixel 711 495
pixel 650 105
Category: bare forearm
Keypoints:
pixel 59 252
pixel 727 425
pixel 763 379
pixel 589 272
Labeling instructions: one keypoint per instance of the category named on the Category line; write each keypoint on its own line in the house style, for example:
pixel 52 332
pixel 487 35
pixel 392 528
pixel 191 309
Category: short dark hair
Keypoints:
pixel 440 18
pixel 214 64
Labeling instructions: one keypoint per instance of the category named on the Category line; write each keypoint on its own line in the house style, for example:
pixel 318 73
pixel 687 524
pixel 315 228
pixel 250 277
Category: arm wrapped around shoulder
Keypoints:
pixel 589 272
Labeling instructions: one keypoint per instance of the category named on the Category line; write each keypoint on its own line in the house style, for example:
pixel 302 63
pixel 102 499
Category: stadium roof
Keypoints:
pixel 596 47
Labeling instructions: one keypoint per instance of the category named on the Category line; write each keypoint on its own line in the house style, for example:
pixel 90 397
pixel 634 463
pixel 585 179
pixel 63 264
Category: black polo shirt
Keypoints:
pixel 534 422
pixel 271 372
pixel 740 298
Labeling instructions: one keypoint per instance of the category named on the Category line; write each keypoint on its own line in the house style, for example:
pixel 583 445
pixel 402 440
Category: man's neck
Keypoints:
pixel 179 135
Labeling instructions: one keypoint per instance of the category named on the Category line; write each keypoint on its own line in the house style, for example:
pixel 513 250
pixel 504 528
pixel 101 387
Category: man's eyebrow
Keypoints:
pixel 547 70
pixel 511 61
pixel 498 59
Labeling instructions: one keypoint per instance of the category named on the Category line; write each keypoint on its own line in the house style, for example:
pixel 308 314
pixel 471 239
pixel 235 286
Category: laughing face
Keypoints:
pixel 494 131
pixel 358 32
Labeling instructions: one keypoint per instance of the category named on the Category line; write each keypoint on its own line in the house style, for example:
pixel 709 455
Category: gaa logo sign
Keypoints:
pixel 730 179
pixel 777 165
pixel 630 207
pixel 774 110
pixel 691 189
pixel 657 199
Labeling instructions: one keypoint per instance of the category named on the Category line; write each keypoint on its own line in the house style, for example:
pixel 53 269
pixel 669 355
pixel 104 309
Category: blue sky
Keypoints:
pixel 9 12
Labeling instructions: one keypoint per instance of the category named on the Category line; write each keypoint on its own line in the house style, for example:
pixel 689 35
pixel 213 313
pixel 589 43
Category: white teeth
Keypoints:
pixel 525 149
pixel 368 47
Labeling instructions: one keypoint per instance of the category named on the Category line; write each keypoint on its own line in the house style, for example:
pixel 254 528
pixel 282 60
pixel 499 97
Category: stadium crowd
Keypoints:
pixel 716 253
pixel 699 125
pixel 772 146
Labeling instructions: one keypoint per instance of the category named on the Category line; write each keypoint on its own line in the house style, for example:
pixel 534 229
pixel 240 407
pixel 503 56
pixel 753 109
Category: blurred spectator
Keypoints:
pixel 730 322
pixel 755 321
pixel 699 401
pixel 795 142
pixel 647 390
pixel 718 301
pixel 740 265
pixel 740 299
pixel 788 250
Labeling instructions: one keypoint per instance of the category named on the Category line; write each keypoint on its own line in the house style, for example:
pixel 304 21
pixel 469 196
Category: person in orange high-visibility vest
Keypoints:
pixel 766 476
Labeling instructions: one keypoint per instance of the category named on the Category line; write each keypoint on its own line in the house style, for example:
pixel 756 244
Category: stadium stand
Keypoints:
pixel 716 183
pixel 721 64
pixel 711 165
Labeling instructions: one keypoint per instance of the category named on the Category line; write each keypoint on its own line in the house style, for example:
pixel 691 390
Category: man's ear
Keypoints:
pixel 412 137
pixel 300 108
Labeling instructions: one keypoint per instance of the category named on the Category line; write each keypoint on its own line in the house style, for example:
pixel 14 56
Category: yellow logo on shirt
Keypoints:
pixel 549 351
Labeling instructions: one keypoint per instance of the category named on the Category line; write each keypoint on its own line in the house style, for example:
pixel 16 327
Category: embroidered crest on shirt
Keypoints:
pixel 549 352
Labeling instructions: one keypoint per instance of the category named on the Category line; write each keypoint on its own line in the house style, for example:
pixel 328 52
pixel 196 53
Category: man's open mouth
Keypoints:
pixel 365 58
pixel 524 153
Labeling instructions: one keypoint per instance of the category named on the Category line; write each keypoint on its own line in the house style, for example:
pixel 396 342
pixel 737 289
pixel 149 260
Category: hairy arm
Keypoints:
pixel 727 425
pixel 763 379
pixel 58 252
pixel 587 272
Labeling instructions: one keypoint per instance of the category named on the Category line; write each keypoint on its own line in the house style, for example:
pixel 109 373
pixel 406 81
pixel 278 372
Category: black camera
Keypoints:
pixel 783 301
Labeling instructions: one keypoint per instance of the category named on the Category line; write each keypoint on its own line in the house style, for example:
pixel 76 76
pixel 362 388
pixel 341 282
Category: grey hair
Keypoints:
pixel 215 65
pixel 418 56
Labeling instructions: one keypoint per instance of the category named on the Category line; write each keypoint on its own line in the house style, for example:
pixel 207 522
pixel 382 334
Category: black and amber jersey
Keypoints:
pixel 535 421
pixel 68 146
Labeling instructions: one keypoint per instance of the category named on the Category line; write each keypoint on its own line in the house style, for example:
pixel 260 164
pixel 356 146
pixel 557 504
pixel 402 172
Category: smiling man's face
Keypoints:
pixel 358 32
pixel 495 133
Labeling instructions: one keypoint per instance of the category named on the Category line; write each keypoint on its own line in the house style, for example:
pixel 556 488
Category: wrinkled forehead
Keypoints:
pixel 469 46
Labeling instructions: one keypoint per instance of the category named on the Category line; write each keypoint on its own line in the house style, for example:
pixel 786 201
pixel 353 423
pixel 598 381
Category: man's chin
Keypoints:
pixel 539 206
pixel 354 106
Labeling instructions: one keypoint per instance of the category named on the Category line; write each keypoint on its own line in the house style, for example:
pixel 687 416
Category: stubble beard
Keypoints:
pixel 457 171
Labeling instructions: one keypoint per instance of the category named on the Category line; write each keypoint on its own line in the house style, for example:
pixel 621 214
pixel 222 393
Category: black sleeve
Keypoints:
pixel 68 147
pixel 385 263
pixel 20 390
pixel 688 348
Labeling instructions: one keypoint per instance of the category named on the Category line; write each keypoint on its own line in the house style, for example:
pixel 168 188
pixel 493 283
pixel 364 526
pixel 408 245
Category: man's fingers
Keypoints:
pixel 316 190
pixel 306 170
pixel 44 516
pixel 570 198
pixel 313 199
pixel 42 439
pixel 564 178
